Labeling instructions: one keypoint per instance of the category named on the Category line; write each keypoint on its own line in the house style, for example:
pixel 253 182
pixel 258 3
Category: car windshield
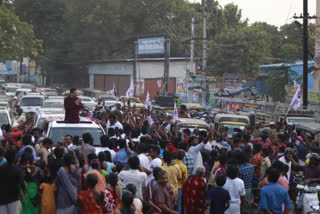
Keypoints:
pixel 11 90
pixel 51 118
pixel 57 134
pixel 27 86
pixel 301 120
pixel 31 101
pixel 85 99
pixel 3 104
pixel 4 119
pixel 53 105
pixel 233 128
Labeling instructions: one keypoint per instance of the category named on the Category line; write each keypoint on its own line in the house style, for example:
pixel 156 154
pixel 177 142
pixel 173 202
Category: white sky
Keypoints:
pixel 275 12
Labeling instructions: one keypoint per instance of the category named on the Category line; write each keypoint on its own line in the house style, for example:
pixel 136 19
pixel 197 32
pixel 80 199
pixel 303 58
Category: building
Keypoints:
pixel 16 71
pixel 105 74
pixel 313 94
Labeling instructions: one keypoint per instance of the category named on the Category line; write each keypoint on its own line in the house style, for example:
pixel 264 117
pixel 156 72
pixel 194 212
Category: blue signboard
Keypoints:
pixel 151 46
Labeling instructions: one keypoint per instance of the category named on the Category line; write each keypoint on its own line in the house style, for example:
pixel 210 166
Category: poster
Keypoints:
pixel 180 88
pixel 140 88
pixel 159 83
pixel 195 97
pixel 233 106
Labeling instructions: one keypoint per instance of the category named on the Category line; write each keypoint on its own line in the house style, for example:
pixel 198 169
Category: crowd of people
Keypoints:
pixel 146 165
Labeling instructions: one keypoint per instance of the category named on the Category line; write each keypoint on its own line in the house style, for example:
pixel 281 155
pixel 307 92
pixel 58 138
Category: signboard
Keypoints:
pixel 151 46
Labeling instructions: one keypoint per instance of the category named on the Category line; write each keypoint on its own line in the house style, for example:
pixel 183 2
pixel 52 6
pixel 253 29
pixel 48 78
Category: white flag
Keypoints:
pixel 148 102
pixel 296 100
pixel 115 93
pixel 295 84
pixel 130 91
pixel 175 112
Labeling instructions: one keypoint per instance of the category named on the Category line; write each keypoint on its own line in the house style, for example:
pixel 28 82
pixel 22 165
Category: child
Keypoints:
pixel 219 198
pixel 48 204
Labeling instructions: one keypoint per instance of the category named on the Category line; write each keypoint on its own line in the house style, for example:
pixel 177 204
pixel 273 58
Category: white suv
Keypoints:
pixel 31 103
pixel 57 130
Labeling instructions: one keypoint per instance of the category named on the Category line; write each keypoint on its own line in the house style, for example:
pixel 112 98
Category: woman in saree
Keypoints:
pixel 31 202
pixel 90 201
pixel 111 194
pixel 68 178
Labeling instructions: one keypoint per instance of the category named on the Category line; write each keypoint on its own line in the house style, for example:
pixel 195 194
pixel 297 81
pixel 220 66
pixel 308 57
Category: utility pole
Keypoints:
pixel 192 41
pixel 135 67
pixel 305 53
pixel 191 57
pixel 305 17
pixel 204 54
pixel 166 67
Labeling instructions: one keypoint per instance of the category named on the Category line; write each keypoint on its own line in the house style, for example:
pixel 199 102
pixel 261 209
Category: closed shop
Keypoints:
pixel 106 82
pixel 155 85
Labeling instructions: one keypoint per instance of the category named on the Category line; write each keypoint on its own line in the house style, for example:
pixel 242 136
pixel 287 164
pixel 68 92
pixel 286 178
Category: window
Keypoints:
pixel 31 101
pixel 57 134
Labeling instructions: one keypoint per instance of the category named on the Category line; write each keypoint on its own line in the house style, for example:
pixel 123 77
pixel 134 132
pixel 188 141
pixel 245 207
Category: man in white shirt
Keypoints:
pixel 286 160
pixel 144 160
pixel 133 175
pixel 154 163
pixel 195 151
pixel 113 123
pixel 107 145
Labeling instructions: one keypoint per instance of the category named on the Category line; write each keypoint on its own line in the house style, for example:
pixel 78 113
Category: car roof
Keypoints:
pixel 53 100
pixel 190 121
pixel 33 95
pixel 82 124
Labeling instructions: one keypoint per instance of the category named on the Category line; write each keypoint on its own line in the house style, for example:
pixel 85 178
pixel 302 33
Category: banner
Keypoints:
pixel 211 100
pixel 296 101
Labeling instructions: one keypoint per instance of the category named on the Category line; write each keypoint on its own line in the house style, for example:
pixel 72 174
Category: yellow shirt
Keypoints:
pixel 174 174
pixel 48 203
pixel 184 174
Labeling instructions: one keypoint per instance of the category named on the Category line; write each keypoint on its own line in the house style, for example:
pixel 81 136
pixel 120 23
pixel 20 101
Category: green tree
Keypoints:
pixel 16 37
pixel 239 50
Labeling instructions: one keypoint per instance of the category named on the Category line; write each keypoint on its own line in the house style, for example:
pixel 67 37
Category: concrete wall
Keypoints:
pixel 145 69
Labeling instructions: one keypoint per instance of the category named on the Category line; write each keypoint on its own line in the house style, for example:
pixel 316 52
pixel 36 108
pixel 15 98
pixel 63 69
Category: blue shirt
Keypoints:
pixel 21 151
pixel 246 174
pixel 219 198
pixel 272 197
pixel 122 156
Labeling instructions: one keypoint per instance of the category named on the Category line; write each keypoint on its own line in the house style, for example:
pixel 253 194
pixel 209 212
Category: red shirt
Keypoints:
pixel 72 110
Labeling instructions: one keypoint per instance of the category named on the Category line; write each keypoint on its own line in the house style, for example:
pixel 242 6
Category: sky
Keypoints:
pixel 275 12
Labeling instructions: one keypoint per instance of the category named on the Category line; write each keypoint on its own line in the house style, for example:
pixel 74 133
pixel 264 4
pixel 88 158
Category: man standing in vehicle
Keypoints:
pixel 72 105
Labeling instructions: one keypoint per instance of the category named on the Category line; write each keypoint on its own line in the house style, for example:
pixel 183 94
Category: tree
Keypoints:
pixel 239 50
pixel 233 16
pixel 278 79
pixel 17 37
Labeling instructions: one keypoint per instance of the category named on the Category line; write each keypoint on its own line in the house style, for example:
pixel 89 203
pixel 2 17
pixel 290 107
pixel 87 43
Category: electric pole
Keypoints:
pixel 135 68
pixel 305 17
pixel 191 57
pixel 305 53
pixel 204 54
pixel 166 67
